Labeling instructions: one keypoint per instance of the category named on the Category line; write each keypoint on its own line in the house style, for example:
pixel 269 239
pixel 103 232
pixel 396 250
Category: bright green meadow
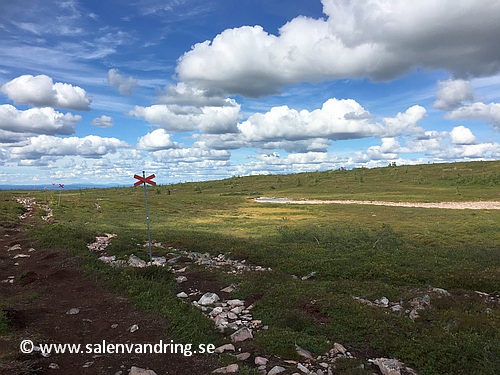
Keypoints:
pixel 356 250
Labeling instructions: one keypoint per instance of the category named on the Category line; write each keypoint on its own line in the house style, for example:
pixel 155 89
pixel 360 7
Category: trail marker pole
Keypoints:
pixel 61 186
pixel 146 180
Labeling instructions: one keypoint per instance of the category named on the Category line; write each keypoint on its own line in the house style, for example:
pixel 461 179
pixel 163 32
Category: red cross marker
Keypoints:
pixel 145 180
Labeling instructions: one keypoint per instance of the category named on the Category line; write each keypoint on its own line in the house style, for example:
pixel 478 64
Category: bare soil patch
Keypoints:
pixel 46 285
pixel 486 205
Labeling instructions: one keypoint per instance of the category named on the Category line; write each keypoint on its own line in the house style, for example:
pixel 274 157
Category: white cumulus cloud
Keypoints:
pixel 37 120
pixel 158 139
pixel 453 93
pixel 181 118
pixel 41 91
pixel 478 111
pixel 379 39
pixel 102 122
pixel 460 135
pixel 91 146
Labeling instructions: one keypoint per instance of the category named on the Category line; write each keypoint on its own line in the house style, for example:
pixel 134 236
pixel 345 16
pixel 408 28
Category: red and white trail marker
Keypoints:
pixel 144 181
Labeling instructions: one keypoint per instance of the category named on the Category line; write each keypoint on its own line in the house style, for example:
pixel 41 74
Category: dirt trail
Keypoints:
pixel 489 205
pixel 45 285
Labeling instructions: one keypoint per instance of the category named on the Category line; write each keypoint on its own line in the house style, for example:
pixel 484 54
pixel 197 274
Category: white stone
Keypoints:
pixel 134 261
pixel 276 370
pixel 223 348
pixel 303 368
pixel 442 291
pixel 303 352
pixel 182 295
pixel 21 256
pixel 235 302
pixel 181 279
pixel 140 371
pixel 237 309
pixel 339 348
pixel 134 328
pixel 241 335
pixel 208 299
pixel 231 369
pixel 243 356
pixel 73 311
pixel 14 247
pixel 228 289
pixel 261 361
pixel 388 366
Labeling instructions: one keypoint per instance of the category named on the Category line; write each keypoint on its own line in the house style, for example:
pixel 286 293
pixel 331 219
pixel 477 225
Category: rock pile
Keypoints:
pixel 29 207
pixel 221 262
pixel 410 307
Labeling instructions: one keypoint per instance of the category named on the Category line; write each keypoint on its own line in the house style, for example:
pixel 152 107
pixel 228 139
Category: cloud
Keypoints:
pixel 461 135
pixel 183 94
pixel 452 94
pixel 158 139
pixel 41 91
pixel 333 121
pixel 379 40
pixel 37 120
pixel 404 122
pixel 337 119
pixel 90 146
pixel 177 118
pixel 123 84
pixel 478 111
pixel 191 155
pixel 102 122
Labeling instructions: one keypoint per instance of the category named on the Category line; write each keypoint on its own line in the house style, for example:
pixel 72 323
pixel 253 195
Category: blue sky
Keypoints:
pixel 96 91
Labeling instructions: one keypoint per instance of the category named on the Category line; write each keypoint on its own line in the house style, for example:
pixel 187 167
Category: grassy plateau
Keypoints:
pixel 355 250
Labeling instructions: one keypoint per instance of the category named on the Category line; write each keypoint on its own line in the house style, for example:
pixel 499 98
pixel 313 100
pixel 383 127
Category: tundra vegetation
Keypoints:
pixel 361 251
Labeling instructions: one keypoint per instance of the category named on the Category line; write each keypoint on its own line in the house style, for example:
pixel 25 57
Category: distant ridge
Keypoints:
pixel 48 187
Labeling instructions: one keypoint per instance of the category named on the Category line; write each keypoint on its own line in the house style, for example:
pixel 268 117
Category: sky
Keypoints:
pixel 93 92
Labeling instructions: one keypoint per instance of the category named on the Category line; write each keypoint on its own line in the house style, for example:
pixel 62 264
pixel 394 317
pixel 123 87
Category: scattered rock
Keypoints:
pixel 224 348
pixel 181 279
pixel 140 371
pixel 303 353
pixel 235 302
pixel 382 302
pixel 339 348
pixel 303 368
pixel 134 261
pixel 21 256
pixel 441 291
pixel 241 335
pixel 182 295
pixel 243 356
pixel 54 366
pixel 88 364
pixel 229 289
pixel 261 361
pixel 310 276
pixel 231 369
pixel 392 367
pixel 276 370
pixel 208 298
pixel 15 247
pixel 134 328
pixel 73 311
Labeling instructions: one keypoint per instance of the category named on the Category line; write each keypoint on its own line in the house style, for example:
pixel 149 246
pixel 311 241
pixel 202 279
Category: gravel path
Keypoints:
pixel 490 205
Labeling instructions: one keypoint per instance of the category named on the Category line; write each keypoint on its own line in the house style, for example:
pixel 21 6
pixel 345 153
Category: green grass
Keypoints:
pixel 355 250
